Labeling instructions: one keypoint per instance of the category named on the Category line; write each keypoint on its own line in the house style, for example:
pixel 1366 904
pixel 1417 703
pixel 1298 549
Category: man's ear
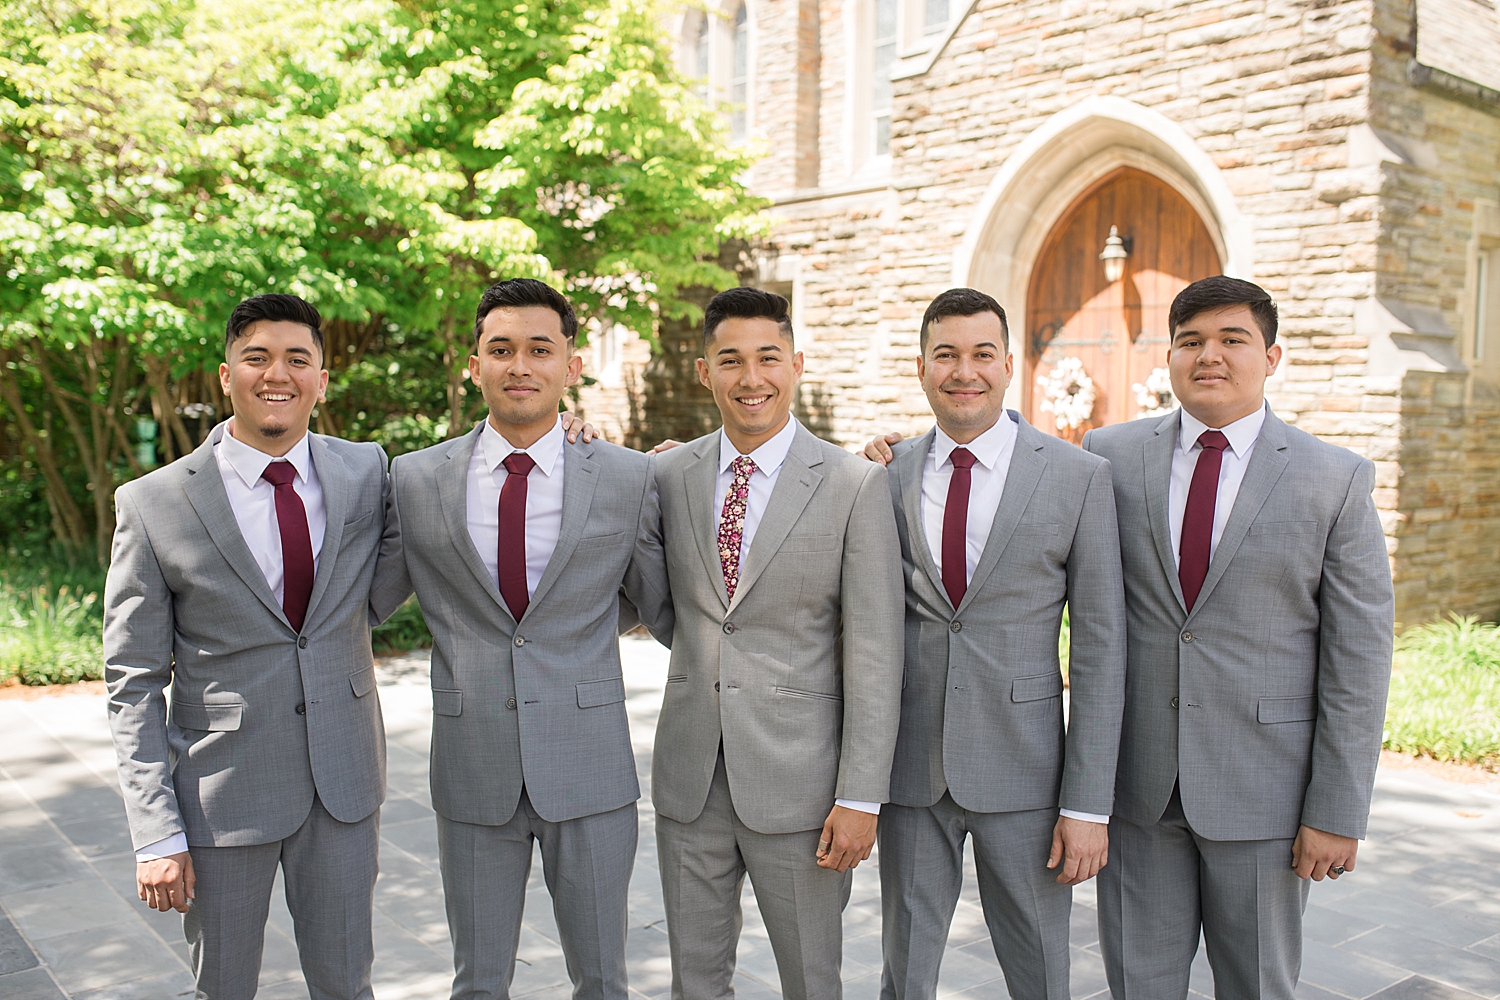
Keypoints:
pixel 1273 358
pixel 575 368
pixel 703 373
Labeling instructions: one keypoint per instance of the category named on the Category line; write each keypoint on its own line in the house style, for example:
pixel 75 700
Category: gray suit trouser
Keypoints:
pixel 329 870
pixel 587 864
pixel 703 868
pixel 1164 884
pixel 922 874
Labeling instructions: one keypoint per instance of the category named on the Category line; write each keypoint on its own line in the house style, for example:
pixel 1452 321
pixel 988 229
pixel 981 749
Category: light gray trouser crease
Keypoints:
pixel 703 868
pixel 329 870
pixel 922 874
pixel 1164 884
pixel 586 863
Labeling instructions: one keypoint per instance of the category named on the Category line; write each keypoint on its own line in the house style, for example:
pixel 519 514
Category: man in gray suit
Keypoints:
pixel 1000 526
pixel 773 749
pixel 244 576
pixel 517 543
pixel 1259 617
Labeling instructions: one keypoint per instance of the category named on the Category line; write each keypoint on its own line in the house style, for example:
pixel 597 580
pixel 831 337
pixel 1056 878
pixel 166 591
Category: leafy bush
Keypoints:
pixel 1445 692
pixel 406 629
pixel 50 637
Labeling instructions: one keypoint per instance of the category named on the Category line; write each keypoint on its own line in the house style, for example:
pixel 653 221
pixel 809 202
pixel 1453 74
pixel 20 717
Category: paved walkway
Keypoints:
pixel 1420 920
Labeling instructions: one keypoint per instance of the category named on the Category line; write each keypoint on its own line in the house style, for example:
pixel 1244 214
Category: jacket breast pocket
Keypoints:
pixel 447 702
pixel 220 718
pixel 599 541
pixel 1271 710
pixel 1283 527
pixel 1038 687
pixel 609 691
pixel 358 520
pixel 810 543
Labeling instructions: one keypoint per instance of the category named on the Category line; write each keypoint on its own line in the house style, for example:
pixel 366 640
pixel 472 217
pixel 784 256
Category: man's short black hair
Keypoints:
pixel 275 307
pixel 747 303
pixel 520 292
pixel 1222 290
pixel 962 302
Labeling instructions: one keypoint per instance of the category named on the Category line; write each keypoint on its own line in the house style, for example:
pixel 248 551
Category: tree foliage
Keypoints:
pixel 386 159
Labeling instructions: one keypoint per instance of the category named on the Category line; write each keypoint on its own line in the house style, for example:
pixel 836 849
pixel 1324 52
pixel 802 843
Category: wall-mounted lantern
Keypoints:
pixel 1116 249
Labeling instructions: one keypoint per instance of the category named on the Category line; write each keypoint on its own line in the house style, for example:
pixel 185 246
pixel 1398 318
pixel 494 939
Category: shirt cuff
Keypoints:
pixel 864 807
pixel 1086 817
pixel 175 844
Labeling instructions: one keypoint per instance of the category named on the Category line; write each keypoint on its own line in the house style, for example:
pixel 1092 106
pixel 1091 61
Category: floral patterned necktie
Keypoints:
pixel 732 523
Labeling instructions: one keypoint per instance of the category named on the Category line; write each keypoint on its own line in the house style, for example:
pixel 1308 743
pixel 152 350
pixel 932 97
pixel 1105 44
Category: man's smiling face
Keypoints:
pixel 523 364
pixel 965 372
pixel 1219 364
pixel 752 371
pixel 274 376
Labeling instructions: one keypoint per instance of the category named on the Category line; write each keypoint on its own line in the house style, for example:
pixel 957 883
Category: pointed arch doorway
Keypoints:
pixel 1117 331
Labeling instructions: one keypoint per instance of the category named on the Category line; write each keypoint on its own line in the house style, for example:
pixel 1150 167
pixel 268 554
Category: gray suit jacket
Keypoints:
pixel 1266 703
pixel 539 703
pixel 799 676
pixel 981 706
pixel 236 762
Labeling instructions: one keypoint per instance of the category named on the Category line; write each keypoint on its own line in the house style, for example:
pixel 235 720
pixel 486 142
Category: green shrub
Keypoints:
pixel 1445 692
pixel 406 629
pixel 50 637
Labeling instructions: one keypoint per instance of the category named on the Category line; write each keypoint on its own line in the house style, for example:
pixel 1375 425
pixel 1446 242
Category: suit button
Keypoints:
pixel 729 628
pixel 520 641
pixel 956 627
pixel 510 703
pixel 302 642
pixel 1174 702
pixel 716 685
pixel 1187 637
pixel 301 708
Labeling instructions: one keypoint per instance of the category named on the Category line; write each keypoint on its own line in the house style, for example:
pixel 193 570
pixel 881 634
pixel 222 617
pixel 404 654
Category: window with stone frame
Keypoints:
pixel 1481 335
pixel 739 80
pixel 698 49
pixel 885 35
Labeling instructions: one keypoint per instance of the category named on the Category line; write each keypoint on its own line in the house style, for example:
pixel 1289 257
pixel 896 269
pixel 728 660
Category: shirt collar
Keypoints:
pixel 249 462
pixel 544 452
pixel 986 448
pixel 768 457
pixel 1241 434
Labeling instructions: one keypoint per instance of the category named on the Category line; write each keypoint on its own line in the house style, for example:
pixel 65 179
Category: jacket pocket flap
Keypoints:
pixel 209 718
pixel 592 694
pixel 1288 709
pixel 1283 527
pixel 1037 688
pixel 362 681
pixel 359 519
pixel 447 702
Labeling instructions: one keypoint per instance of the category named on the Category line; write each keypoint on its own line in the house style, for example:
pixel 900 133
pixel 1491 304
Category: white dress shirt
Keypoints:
pixel 1241 434
pixel 992 453
pixel 544 499
pixel 253 501
pixel 768 459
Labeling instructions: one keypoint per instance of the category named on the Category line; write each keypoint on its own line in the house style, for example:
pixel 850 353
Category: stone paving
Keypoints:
pixel 1420 920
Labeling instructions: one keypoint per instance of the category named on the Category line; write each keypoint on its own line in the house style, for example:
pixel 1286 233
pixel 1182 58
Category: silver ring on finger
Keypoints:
pixel 1336 870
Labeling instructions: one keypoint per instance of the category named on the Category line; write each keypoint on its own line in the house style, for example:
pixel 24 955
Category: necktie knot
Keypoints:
pixel 742 467
pixel 279 474
pixel 962 458
pixel 1214 440
pixel 518 463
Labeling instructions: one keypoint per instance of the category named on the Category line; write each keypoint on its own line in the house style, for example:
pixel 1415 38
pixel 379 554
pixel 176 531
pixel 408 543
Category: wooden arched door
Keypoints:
pixel 1116 330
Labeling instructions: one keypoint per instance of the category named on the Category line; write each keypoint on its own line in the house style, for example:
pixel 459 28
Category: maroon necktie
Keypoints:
pixel 510 557
pixel 1198 517
pixel 956 527
pixel 296 543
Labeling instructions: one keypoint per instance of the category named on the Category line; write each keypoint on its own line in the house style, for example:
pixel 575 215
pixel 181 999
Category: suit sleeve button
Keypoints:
pixel 301 708
pixel 302 642
pixel 1174 702
pixel 956 627
pixel 520 640
pixel 729 628
pixel 510 703
pixel 1187 637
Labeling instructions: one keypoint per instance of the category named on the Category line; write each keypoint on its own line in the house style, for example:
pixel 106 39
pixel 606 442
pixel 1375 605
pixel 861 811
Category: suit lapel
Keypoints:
pixel 700 479
pixel 1267 463
pixel 1026 467
pixel 453 495
pixel 580 477
pixel 795 485
pixel 205 491
pixel 908 468
pixel 1158 476
pixel 333 477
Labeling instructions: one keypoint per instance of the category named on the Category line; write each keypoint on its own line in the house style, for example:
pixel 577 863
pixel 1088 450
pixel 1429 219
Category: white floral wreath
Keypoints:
pixel 1154 396
pixel 1068 393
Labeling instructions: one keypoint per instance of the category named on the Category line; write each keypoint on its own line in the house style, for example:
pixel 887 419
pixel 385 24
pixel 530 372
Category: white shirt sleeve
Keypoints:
pixel 175 844
pixel 1086 817
pixel 864 807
